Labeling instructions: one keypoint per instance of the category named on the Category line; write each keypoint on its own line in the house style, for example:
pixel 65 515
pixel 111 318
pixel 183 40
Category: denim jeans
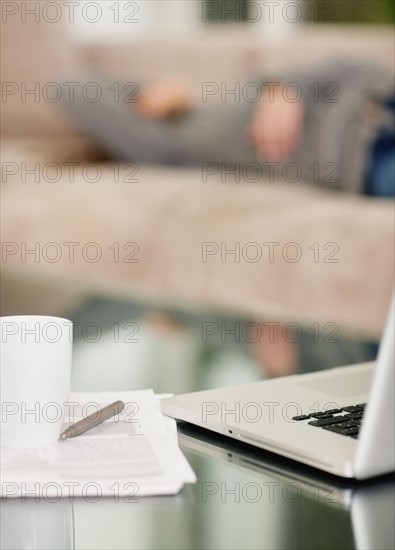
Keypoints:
pixel 381 176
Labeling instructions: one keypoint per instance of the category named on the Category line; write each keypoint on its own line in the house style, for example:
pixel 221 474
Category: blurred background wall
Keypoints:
pixel 268 18
pixel 216 40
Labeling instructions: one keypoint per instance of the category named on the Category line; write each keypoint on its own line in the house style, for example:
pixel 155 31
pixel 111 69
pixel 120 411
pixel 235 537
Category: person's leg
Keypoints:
pixel 380 180
pixel 208 133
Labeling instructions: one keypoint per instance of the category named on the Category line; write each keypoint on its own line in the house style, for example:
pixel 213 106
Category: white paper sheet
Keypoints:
pixel 133 454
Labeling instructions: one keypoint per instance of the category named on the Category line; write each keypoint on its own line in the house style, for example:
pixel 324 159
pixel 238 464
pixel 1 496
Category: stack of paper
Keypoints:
pixel 133 454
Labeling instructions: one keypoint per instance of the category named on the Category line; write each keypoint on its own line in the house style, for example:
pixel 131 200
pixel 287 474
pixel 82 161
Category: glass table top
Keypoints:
pixel 244 498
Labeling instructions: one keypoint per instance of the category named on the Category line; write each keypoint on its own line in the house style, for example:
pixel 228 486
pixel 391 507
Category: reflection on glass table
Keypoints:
pixel 312 509
pixel 244 499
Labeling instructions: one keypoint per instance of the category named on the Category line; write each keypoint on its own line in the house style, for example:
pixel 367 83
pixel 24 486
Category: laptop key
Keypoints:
pixel 317 414
pixel 328 421
pixel 301 417
pixel 333 411
pixel 350 409
pixel 351 431
pixel 342 431
pixel 354 415
pixel 333 428
pixel 348 424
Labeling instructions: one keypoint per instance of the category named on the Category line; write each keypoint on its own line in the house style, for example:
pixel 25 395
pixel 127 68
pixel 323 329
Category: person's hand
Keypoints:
pixel 276 127
pixel 164 100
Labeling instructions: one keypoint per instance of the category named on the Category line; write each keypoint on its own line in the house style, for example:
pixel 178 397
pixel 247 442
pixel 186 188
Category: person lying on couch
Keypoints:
pixel 339 116
pixel 344 116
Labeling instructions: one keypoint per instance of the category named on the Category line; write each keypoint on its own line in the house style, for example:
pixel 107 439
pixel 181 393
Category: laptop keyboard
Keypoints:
pixel 345 421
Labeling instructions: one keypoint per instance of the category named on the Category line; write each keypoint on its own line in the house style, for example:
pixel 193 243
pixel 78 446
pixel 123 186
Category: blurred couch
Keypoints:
pixel 170 212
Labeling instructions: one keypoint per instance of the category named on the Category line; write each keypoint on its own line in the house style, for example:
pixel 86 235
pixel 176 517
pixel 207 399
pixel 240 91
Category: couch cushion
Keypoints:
pixel 235 54
pixel 170 214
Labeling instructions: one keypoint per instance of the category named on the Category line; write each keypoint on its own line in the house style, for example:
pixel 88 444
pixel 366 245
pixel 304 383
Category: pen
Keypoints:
pixel 92 420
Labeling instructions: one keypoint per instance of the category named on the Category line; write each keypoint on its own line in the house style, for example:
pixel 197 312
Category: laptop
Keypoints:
pixel 340 420
pixel 364 510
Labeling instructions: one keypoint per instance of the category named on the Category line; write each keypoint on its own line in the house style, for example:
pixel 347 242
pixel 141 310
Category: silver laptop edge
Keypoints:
pixel 371 506
pixel 372 454
pixel 375 449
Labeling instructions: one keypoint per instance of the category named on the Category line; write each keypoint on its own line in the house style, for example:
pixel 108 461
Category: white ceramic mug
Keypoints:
pixel 35 377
